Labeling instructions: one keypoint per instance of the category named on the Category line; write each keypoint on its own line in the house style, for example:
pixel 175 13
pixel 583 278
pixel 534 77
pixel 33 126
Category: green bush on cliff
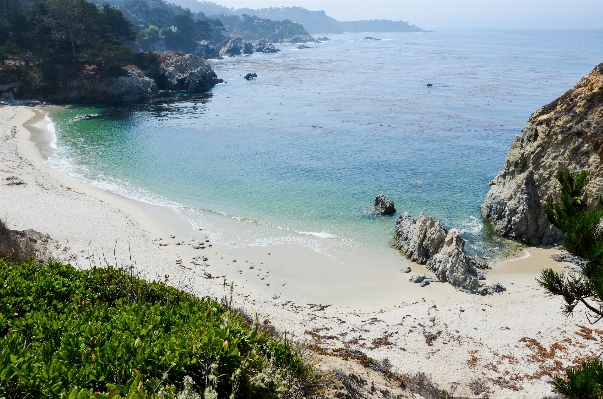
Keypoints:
pixel 104 333
pixel 583 238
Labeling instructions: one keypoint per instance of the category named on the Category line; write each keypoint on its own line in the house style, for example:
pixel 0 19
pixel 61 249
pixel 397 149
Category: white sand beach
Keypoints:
pixel 511 342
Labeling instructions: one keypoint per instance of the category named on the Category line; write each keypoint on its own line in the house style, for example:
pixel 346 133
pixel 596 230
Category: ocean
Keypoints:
pixel 304 149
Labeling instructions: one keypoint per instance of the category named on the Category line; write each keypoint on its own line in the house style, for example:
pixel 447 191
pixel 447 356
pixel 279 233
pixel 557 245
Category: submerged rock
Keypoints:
pixel 384 205
pixel 425 240
pixel 565 134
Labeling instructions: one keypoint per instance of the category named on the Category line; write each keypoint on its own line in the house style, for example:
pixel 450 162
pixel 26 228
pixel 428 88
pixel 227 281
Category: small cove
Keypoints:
pixel 303 149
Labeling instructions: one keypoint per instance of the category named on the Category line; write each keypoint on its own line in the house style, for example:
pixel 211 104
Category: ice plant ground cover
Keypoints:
pixel 104 333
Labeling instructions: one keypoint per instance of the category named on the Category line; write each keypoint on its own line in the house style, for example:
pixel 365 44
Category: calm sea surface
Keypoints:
pixel 307 145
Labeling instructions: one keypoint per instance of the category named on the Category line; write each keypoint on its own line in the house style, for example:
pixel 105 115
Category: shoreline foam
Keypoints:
pixel 381 313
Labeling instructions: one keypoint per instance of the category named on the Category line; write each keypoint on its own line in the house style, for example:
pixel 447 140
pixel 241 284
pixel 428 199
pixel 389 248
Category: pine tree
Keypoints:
pixel 584 238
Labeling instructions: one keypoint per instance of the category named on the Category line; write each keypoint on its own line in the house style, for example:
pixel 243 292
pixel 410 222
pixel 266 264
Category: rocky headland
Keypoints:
pixel 565 134
pixel 166 73
pixel 426 241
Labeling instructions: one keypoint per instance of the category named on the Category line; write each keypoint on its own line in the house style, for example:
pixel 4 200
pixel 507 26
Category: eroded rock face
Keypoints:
pixel 451 264
pixel 188 73
pixel 419 239
pixel 425 240
pixel 384 205
pixel 565 134
pixel 131 87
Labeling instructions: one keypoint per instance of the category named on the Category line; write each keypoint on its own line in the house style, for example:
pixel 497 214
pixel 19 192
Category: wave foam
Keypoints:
pixel 317 234
pixel 53 132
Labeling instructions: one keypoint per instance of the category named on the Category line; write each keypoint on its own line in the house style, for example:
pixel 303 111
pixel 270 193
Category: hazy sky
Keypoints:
pixel 456 14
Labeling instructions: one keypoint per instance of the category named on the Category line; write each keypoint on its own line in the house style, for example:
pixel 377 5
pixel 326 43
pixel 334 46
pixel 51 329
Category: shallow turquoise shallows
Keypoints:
pixel 308 144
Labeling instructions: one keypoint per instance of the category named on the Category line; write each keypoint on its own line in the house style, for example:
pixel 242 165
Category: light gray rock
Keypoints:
pixel 384 205
pixel 233 48
pixel 406 269
pixel 425 240
pixel 269 48
pixel 451 264
pixel 416 278
pixel 425 283
pixel 565 134
pixel 565 257
pixel 419 239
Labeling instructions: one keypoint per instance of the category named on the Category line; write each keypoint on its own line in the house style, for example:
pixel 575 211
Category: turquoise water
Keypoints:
pixel 308 145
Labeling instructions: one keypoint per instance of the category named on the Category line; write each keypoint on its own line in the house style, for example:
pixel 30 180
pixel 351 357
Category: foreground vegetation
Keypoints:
pixel 104 333
pixel 583 238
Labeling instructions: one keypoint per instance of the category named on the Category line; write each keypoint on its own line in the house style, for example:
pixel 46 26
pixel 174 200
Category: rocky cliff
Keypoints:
pixel 565 134
pixel 170 71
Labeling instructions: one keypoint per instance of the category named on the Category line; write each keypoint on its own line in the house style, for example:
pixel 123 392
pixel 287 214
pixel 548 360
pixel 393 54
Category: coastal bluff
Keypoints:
pixel 565 134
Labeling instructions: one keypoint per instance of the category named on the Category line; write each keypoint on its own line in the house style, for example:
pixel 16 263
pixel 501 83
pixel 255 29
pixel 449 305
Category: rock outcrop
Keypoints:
pixel 206 50
pixel 168 71
pixel 384 205
pixel 188 72
pixel 302 38
pixel 233 48
pixel 131 87
pixel 264 47
pixel 565 134
pixel 426 241
pixel 419 239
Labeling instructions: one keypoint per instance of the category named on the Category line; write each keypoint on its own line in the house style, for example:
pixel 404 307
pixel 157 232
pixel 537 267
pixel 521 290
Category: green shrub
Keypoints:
pixel 583 238
pixel 104 333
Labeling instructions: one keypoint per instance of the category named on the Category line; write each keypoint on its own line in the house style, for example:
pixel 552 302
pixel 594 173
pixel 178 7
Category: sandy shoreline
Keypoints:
pixel 457 338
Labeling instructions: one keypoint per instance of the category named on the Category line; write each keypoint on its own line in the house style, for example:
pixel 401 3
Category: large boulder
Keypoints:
pixel 187 72
pixel 565 134
pixel 233 48
pixel 384 205
pixel 419 239
pixel 451 264
pixel 262 46
pixel 424 240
